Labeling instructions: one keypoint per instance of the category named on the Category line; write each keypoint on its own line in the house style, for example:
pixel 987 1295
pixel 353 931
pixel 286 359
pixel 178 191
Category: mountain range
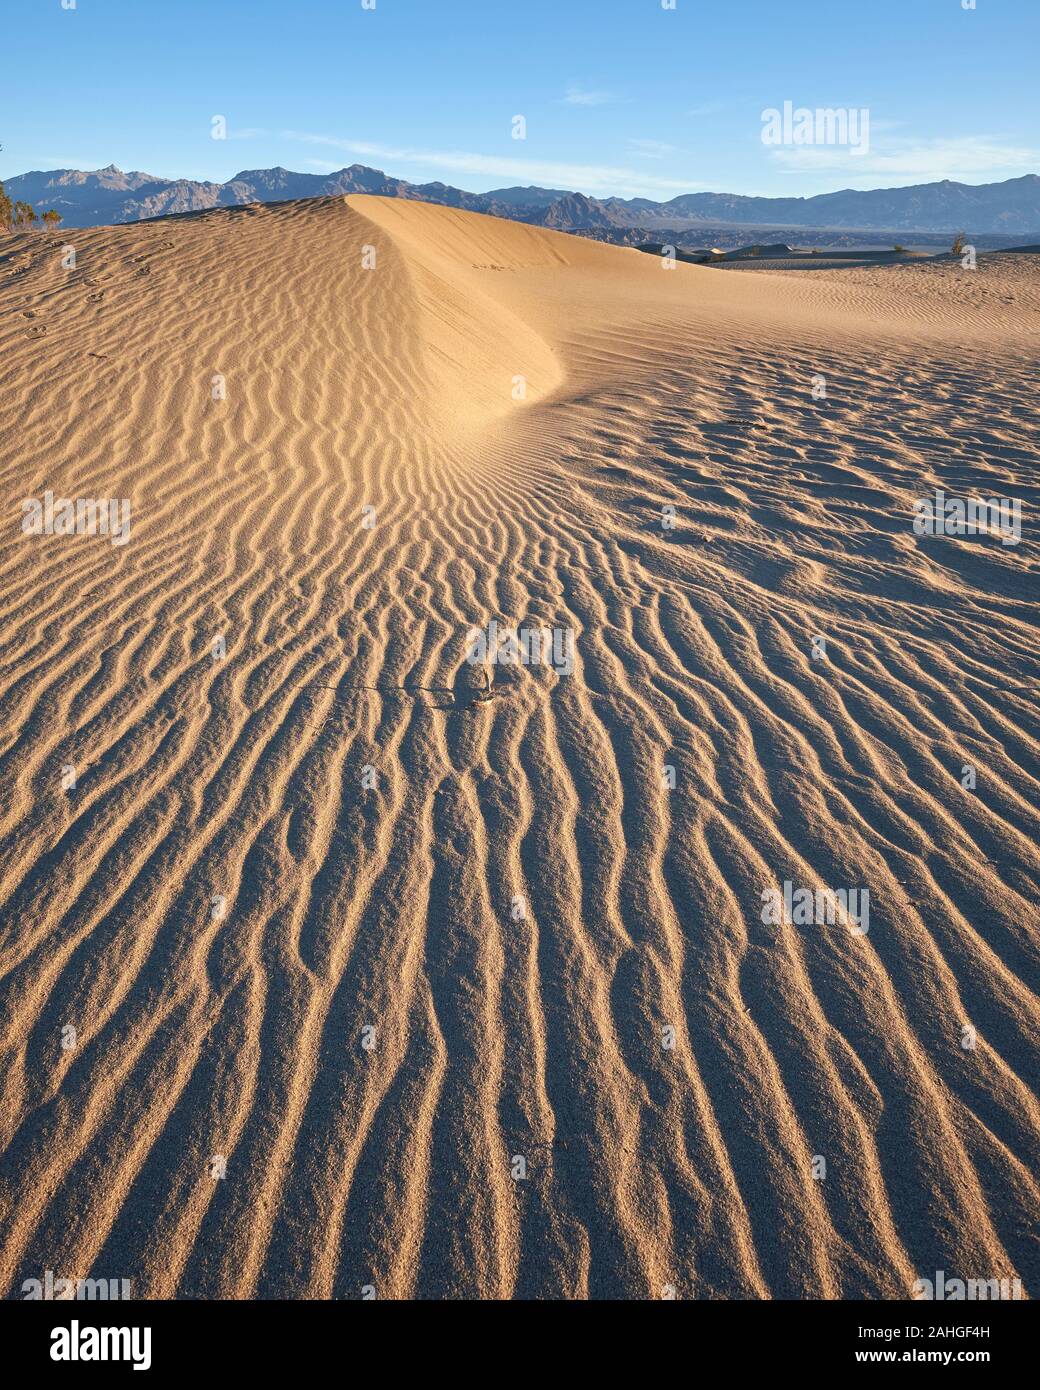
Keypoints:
pixel 102 196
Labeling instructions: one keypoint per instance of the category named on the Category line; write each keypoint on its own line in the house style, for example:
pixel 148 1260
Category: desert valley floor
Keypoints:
pixel 321 973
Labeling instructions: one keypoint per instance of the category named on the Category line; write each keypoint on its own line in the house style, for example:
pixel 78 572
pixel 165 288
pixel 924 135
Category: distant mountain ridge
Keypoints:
pixel 90 198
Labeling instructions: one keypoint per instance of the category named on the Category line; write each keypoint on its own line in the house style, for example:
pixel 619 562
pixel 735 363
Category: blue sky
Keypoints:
pixel 619 96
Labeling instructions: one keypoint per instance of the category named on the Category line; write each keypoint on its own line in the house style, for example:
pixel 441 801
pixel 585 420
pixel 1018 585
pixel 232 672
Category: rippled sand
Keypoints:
pixel 463 997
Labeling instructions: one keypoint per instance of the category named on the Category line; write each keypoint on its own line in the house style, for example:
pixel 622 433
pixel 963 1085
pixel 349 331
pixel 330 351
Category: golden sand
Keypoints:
pixel 462 996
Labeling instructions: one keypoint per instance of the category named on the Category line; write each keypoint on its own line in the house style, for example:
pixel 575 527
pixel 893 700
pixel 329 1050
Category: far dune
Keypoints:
pixel 461 974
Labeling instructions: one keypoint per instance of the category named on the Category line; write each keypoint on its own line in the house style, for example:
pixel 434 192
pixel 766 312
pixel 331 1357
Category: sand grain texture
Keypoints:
pixel 394 907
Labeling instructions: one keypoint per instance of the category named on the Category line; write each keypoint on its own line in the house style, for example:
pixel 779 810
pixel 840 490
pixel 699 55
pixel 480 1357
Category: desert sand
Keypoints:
pixel 336 971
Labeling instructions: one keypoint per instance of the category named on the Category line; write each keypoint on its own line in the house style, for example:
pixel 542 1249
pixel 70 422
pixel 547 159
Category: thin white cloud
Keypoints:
pixel 960 158
pixel 591 178
pixel 584 96
pixel 652 149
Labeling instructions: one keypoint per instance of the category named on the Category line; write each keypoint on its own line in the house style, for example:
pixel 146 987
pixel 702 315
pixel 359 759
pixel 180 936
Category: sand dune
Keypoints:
pixel 409 961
